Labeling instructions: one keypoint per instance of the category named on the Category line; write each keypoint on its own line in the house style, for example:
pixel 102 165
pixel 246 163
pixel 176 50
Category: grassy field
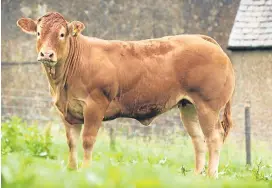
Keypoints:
pixel 36 158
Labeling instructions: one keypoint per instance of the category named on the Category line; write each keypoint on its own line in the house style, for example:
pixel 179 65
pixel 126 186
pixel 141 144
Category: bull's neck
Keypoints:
pixel 62 73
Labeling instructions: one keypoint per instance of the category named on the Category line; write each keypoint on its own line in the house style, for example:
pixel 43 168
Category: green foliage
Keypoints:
pixel 259 171
pixel 12 136
pixel 18 136
pixel 27 162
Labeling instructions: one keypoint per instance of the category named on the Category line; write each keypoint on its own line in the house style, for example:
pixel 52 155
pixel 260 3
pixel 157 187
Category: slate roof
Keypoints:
pixel 252 27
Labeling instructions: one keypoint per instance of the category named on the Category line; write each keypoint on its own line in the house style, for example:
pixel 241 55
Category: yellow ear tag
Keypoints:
pixel 75 31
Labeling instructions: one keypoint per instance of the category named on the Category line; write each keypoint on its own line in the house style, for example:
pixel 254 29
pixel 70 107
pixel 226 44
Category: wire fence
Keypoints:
pixel 38 106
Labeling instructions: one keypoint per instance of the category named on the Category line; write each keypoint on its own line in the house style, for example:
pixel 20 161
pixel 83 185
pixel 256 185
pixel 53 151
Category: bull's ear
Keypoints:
pixel 27 25
pixel 75 27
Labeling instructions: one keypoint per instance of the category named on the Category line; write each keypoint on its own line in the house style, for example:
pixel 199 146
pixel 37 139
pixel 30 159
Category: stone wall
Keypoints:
pixel 25 92
pixel 108 19
pixel 253 71
pixel 118 19
pixel 24 87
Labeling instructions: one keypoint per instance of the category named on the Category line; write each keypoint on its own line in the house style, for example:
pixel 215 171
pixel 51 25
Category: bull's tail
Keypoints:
pixel 227 121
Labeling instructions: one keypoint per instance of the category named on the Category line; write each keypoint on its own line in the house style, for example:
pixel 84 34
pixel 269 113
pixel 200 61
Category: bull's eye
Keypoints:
pixel 38 33
pixel 61 35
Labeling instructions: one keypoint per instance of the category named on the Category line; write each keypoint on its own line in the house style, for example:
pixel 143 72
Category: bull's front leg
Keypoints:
pixel 93 116
pixel 73 134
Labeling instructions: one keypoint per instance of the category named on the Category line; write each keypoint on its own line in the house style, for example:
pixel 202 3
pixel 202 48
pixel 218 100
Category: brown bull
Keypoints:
pixel 93 80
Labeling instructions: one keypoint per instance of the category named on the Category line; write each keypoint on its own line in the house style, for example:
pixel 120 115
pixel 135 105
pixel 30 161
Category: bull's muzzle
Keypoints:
pixel 48 58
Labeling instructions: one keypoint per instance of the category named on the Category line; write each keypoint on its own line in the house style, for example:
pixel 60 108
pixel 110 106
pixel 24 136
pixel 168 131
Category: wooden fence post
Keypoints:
pixel 112 138
pixel 248 133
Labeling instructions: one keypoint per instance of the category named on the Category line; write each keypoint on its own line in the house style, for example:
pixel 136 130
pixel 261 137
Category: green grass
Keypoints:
pixel 33 158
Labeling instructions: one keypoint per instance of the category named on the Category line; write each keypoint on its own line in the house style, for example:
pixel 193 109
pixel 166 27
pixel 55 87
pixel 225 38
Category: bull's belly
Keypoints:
pixel 143 112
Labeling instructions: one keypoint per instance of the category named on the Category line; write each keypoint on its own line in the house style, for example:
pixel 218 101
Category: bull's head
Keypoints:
pixel 53 33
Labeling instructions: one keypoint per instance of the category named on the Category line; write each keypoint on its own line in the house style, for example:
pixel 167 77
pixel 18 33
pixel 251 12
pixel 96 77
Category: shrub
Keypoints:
pixel 18 136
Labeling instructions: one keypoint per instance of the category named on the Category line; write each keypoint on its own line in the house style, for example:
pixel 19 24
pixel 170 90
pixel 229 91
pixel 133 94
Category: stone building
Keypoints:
pixel 250 43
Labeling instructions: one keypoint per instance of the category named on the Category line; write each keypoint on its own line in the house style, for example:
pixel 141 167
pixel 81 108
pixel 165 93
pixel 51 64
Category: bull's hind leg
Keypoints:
pixel 213 132
pixel 72 134
pixel 190 121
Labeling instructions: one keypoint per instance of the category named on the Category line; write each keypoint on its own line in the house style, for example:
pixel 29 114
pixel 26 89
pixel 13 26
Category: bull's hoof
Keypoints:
pixel 200 172
pixel 213 175
pixel 72 167
pixel 86 164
